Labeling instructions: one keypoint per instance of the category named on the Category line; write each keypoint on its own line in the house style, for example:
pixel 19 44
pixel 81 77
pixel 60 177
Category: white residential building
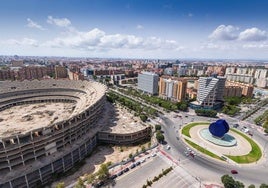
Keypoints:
pixel 148 82
pixel 210 90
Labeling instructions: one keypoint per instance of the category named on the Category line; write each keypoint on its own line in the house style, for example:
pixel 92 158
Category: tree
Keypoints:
pixel 263 185
pixel 159 136
pixel 229 182
pixel 130 155
pixel 143 117
pixel 103 172
pixel 80 183
pixel 60 185
pixel 157 127
pixel 143 149
pixel 149 144
pixel 91 178
pixel 206 112
pixel 251 186
pixel 239 184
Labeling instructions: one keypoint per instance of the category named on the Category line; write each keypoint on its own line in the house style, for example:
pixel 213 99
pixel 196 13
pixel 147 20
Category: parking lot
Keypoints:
pixel 138 176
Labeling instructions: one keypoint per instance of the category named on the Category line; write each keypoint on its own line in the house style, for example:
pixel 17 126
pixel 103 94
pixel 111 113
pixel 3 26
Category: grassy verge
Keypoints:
pixel 203 150
pixel 186 130
pixel 253 156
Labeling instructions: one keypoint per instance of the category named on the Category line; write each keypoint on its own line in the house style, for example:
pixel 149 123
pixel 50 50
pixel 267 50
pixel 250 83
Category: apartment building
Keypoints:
pixel 210 92
pixel 238 89
pixel 172 88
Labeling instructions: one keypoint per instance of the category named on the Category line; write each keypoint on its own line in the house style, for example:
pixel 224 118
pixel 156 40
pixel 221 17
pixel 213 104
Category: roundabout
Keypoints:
pixel 234 146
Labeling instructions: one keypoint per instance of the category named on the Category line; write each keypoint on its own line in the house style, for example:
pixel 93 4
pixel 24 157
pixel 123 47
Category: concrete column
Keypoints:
pixel 3 142
pixel 22 160
pixel 27 183
pixel 40 175
pixel 72 158
pixel 31 135
pixel 79 153
pixel 9 165
pixel 18 139
pixel 63 164
pixel 52 167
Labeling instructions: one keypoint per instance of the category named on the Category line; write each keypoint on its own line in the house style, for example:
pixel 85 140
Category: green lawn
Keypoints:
pixel 253 156
pixel 203 150
pixel 186 130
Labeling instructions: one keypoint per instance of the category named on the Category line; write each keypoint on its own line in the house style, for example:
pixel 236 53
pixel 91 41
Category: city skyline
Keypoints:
pixel 135 29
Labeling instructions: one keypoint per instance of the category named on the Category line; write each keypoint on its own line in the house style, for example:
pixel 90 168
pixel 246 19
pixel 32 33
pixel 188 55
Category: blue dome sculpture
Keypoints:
pixel 219 128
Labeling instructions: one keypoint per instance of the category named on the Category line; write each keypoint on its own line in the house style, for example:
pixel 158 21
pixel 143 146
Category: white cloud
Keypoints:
pixel 61 22
pixel 223 32
pixel 97 39
pixel 33 24
pixel 139 27
pixel 253 34
pixel 22 42
pixel 256 46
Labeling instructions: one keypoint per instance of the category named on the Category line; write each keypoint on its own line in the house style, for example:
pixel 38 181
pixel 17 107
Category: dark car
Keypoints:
pixel 250 133
pixel 234 172
pixel 99 184
pixel 120 173
pixel 126 169
pixel 113 176
pixel 236 125
pixel 138 163
pixel 133 165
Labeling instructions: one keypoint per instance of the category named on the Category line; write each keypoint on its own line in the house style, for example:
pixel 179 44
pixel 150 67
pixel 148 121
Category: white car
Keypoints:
pixel 168 147
pixel 153 154
pixel 143 160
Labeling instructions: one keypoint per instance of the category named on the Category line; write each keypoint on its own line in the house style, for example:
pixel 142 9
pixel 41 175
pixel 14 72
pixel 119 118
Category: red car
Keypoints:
pixel 234 172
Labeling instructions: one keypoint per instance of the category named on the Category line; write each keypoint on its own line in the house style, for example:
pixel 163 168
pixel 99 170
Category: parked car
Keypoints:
pixel 138 163
pixel 126 169
pixel 133 165
pixel 168 147
pixel 120 173
pixel 113 176
pixel 99 184
pixel 143 160
pixel 153 154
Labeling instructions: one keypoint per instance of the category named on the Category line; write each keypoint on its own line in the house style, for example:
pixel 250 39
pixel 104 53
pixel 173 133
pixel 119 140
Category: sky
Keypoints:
pixel 158 29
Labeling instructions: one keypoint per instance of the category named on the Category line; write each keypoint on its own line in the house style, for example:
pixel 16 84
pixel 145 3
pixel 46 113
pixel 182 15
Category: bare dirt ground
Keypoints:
pixel 102 154
pixel 32 116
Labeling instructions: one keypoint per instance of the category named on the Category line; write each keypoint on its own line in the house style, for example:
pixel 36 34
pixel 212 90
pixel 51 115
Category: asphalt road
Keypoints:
pixel 208 169
pixel 138 176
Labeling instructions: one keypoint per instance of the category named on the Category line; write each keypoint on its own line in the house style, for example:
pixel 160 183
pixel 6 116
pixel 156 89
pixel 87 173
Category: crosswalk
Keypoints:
pixel 178 177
